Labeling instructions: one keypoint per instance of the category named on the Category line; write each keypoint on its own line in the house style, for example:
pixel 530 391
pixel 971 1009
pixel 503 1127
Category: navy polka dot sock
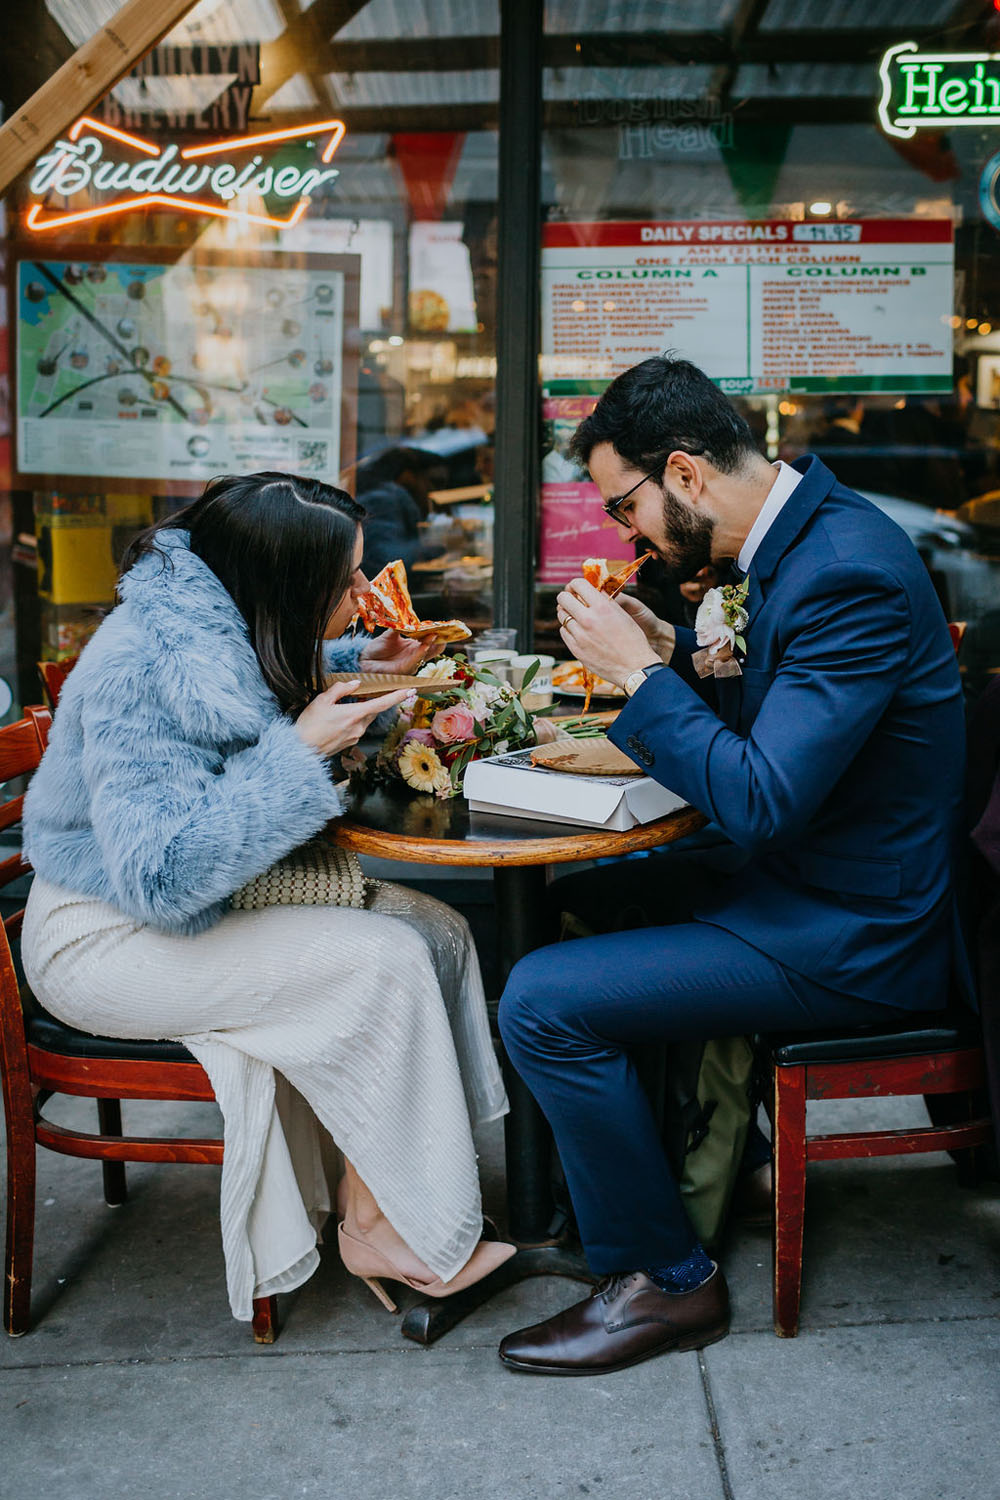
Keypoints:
pixel 685 1275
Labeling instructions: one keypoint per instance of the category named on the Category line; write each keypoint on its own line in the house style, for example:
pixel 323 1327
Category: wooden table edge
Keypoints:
pixel 561 848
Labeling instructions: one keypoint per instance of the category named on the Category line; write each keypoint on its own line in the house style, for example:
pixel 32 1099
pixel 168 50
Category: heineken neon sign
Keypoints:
pixel 924 90
pixel 198 179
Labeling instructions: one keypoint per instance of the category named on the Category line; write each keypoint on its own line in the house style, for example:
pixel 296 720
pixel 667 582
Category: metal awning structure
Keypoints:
pixel 399 65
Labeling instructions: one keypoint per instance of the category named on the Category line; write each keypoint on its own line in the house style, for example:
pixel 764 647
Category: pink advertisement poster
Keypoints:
pixel 573 525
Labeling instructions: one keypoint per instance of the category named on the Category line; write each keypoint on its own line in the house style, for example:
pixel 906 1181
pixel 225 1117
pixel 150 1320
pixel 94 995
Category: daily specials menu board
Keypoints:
pixel 148 370
pixel 760 305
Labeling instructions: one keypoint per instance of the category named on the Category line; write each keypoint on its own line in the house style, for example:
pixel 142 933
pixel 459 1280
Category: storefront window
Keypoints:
pixel 729 192
pixel 272 245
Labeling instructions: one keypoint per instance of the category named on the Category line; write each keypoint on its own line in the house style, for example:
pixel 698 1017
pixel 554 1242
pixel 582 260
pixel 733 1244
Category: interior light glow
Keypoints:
pixel 821 207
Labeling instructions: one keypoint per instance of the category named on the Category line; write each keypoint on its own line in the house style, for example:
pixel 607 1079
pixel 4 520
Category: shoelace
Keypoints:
pixel 609 1286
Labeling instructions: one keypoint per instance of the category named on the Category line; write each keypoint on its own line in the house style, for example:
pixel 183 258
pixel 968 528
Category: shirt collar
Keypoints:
pixel 784 484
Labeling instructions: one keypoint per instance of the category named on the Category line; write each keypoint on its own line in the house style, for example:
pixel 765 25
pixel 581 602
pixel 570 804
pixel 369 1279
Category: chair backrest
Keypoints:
pixel 957 629
pixel 21 748
pixel 53 674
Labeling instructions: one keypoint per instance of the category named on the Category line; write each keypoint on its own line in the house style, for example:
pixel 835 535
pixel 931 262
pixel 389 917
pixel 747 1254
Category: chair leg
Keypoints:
pixel 109 1116
pixel 789 1196
pixel 265 1320
pixel 20 1247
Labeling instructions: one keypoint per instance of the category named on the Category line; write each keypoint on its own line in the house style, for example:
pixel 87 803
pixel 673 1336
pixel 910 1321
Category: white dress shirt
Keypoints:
pixel 779 492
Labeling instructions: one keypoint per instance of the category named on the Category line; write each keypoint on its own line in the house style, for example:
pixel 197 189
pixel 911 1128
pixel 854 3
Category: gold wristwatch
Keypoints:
pixel 635 680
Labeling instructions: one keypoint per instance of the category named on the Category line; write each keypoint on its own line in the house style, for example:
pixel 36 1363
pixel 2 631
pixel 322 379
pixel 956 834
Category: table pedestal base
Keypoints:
pixel 433 1316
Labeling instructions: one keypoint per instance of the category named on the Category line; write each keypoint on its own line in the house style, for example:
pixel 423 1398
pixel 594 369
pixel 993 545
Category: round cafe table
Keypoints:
pixel 426 830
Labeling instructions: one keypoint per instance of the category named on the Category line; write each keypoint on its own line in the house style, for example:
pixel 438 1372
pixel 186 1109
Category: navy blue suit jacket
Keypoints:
pixel 837 758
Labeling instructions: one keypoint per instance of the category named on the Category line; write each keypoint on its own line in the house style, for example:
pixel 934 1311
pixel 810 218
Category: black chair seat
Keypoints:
pixel 46 1032
pixel 926 1031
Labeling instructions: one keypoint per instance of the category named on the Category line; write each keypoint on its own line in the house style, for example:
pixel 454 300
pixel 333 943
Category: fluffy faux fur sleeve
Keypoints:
pixel 181 825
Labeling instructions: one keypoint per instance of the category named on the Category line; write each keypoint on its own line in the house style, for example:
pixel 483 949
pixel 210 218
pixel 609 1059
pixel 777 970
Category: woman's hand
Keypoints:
pixel 660 635
pixel 392 652
pixel 328 725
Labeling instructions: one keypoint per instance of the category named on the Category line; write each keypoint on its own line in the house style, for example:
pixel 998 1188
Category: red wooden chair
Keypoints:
pixel 53 675
pixel 932 1054
pixel 39 1057
pixel 929 1055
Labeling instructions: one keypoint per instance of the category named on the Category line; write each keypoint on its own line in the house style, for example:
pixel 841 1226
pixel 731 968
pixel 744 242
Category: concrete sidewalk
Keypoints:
pixel 135 1380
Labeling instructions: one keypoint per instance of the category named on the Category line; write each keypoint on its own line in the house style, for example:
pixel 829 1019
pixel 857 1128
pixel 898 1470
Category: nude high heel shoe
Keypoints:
pixel 362 1259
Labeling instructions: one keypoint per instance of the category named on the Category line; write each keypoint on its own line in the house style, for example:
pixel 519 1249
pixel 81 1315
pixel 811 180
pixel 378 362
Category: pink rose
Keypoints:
pixel 453 724
pixel 422 736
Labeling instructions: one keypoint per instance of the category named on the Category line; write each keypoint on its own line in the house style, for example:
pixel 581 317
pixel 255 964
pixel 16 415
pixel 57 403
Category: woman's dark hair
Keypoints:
pixel 283 548
pixel 659 406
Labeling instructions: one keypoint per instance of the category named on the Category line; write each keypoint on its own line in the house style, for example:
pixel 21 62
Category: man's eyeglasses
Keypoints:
pixel 613 507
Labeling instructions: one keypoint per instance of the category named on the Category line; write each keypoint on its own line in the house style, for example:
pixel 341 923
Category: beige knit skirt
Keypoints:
pixel 312 1022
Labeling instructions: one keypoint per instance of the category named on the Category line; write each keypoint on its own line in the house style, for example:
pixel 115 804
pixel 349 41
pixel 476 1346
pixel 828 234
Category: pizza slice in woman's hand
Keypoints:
pixel 387 606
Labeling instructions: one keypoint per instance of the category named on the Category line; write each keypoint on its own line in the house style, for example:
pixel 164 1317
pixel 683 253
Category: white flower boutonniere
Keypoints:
pixel 719 626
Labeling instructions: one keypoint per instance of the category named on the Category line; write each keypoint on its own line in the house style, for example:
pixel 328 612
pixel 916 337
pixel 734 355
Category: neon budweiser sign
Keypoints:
pixel 200 179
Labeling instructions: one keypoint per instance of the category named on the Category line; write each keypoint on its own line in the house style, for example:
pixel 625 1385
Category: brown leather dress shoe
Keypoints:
pixel 626 1318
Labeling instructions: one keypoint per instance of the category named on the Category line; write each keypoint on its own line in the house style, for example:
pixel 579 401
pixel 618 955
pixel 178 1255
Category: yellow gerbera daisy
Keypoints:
pixel 420 767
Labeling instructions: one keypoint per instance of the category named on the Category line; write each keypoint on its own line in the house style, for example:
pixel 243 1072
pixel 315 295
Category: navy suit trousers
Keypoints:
pixel 571 1017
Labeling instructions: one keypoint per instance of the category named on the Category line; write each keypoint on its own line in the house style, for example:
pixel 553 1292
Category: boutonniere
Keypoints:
pixel 719 626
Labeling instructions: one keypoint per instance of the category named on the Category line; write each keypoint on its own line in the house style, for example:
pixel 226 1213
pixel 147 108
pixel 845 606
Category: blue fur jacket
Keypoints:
pixel 172 777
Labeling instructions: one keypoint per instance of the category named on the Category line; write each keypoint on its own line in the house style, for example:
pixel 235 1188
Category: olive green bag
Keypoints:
pixel 707 1107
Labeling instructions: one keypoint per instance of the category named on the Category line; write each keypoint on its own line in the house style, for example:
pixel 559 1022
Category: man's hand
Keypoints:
pixel 660 635
pixel 392 652
pixel 600 632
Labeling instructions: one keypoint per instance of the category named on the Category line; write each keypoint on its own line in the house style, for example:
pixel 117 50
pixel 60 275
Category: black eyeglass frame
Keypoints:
pixel 613 506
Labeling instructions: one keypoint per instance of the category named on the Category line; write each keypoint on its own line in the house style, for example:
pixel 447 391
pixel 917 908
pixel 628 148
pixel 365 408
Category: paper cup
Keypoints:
pixel 539 694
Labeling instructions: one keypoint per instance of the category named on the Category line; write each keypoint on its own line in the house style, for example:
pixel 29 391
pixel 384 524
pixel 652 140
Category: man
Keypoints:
pixel 834 758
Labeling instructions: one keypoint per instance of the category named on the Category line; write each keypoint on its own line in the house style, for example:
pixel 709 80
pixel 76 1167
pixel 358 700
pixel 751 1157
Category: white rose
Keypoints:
pixel 710 624
pixel 441 670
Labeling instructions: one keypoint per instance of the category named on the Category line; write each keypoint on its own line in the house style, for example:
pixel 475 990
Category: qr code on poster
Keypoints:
pixel 313 456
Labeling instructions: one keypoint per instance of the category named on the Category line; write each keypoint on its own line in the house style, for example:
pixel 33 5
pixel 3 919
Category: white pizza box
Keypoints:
pixel 511 786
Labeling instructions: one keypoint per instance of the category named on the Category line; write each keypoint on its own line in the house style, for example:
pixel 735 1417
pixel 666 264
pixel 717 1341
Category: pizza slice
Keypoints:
pixel 387 606
pixel 610 578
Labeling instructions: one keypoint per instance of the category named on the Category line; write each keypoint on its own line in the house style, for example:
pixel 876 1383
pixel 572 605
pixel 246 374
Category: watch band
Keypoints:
pixel 635 680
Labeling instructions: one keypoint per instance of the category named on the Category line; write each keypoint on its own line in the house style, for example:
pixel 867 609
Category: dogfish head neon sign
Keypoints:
pixel 199 179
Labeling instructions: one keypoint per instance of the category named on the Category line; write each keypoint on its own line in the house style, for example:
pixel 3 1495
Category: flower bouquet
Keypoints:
pixel 433 739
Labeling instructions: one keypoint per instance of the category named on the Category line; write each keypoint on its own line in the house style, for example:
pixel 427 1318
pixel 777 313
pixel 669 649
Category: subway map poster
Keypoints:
pixel 178 372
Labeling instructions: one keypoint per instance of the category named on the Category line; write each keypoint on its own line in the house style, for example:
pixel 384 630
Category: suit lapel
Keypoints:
pixel 816 483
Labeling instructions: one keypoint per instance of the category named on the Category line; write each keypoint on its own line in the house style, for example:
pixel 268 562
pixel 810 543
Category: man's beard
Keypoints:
pixel 686 544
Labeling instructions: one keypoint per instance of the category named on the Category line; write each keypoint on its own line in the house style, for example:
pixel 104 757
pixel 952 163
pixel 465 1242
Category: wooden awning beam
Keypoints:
pixel 83 79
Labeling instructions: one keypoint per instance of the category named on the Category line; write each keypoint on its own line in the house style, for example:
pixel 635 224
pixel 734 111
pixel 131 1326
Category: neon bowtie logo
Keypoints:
pixel 192 179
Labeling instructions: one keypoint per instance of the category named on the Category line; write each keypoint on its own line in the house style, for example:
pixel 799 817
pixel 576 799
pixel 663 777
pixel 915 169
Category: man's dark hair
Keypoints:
pixel 283 548
pixel 659 406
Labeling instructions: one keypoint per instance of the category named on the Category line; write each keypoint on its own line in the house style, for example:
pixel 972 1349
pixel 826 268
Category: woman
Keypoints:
pixel 188 754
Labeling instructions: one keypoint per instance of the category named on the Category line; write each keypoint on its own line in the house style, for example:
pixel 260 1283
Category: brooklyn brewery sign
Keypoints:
pixel 91 162
pixel 924 90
